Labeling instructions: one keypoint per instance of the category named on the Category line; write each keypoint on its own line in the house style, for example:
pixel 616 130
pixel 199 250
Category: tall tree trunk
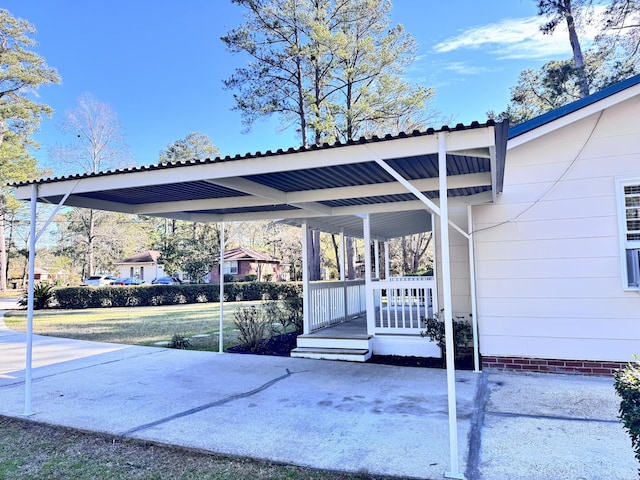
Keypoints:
pixel 405 254
pixel 578 59
pixel 90 243
pixel 350 258
pixel 313 254
pixel 8 243
pixel 336 251
pixel 3 249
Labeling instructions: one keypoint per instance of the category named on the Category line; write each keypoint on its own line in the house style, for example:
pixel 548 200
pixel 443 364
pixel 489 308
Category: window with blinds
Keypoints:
pixel 630 231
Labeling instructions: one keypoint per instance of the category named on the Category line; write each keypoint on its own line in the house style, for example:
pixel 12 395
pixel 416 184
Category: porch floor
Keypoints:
pixel 355 328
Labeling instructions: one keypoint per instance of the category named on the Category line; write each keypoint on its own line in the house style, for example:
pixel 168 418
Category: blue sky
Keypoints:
pixel 160 64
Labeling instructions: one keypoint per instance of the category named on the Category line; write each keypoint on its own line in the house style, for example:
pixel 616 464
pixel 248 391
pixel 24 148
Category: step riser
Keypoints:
pixel 311 342
pixel 333 356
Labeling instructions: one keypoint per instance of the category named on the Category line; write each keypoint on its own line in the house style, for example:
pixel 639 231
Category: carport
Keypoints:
pixel 362 188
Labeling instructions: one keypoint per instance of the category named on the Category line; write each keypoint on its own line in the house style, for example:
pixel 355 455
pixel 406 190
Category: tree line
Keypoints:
pixel 331 70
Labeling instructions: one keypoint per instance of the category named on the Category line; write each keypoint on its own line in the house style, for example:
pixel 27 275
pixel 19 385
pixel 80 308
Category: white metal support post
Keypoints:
pixel 33 240
pixel 472 280
pixel 448 306
pixel 387 263
pixel 32 257
pixel 376 250
pixel 343 266
pixel 371 314
pixel 221 335
pixel 306 315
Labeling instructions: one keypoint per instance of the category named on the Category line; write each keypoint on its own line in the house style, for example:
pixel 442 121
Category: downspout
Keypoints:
pixel 221 324
pixel 448 305
pixel 472 283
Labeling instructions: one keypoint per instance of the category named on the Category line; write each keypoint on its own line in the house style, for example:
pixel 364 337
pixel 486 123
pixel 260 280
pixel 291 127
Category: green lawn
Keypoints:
pixel 37 451
pixel 44 452
pixel 134 325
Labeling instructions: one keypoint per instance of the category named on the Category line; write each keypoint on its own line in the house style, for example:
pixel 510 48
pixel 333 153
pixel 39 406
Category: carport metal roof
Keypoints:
pixel 393 182
pixel 328 185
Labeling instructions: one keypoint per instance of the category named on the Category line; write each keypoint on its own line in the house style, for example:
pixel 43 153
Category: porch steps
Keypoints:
pixel 353 349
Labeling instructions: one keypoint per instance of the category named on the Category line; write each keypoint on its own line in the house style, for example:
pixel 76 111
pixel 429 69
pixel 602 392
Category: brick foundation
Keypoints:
pixel 547 365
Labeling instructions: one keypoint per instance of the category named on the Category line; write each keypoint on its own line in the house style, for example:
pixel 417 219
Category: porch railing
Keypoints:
pixel 401 303
pixel 335 302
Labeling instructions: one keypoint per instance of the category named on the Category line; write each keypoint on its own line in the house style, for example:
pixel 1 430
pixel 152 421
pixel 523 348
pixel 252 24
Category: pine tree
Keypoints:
pixel 21 72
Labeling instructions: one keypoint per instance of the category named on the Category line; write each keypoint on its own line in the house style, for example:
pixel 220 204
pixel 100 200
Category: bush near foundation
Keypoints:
pixel 152 295
pixel 462 333
pixel 253 325
pixel 627 385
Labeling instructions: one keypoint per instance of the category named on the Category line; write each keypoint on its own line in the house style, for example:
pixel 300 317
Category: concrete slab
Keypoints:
pixel 544 426
pixel 325 414
pixel 329 415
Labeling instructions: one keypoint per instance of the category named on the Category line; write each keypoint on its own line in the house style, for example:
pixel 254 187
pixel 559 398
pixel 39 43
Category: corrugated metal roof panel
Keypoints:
pixel 229 211
pixel 165 193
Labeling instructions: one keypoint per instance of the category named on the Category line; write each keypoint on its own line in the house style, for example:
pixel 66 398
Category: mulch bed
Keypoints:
pixel 281 346
pixel 278 346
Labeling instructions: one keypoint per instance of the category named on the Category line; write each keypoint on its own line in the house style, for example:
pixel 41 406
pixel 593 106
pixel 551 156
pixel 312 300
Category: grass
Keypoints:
pixel 39 452
pixel 11 294
pixel 134 325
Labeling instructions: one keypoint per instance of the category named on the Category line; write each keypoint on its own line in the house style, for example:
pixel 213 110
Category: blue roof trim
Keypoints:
pixel 572 107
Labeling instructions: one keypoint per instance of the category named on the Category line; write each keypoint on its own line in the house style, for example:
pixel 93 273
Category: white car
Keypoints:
pixel 99 280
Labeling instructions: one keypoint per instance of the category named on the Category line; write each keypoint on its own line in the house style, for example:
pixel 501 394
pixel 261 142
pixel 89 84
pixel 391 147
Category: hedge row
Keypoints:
pixel 150 295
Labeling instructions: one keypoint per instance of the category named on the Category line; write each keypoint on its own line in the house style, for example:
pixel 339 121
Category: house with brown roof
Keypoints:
pixel 143 265
pixel 247 264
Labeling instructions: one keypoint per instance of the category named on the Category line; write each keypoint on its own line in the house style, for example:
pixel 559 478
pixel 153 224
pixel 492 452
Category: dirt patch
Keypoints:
pixel 464 363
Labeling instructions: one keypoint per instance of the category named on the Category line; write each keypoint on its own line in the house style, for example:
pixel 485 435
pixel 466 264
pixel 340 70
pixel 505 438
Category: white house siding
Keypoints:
pixel 459 261
pixel 548 269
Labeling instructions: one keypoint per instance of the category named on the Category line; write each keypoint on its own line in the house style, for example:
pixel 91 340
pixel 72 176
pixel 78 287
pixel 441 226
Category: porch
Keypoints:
pixel 341 328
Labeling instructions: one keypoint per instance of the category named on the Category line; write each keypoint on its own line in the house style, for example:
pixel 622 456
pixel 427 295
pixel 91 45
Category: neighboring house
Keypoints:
pixel 41 275
pixel 241 262
pixel 143 265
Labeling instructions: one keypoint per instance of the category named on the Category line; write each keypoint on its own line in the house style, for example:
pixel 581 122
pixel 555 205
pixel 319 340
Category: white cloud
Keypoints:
pixel 464 68
pixel 515 38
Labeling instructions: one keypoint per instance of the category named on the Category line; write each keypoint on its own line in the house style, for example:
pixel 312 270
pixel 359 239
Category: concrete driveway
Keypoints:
pixel 323 414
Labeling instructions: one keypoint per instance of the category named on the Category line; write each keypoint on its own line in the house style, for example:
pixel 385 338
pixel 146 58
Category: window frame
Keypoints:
pixel 629 249
pixel 230 266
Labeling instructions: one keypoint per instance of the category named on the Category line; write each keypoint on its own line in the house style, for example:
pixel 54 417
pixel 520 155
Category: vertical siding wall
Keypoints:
pixel 459 256
pixel 548 262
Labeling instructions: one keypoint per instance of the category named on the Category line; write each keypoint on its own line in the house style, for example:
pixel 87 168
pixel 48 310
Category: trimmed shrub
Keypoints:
pixel 627 385
pixel 152 295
